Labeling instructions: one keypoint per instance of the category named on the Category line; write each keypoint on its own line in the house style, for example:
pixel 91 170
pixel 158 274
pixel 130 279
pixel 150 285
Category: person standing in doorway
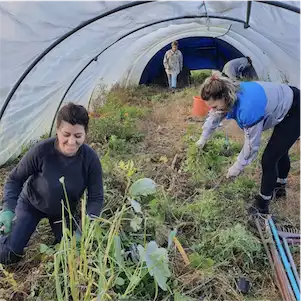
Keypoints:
pixel 173 64
pixel 234 69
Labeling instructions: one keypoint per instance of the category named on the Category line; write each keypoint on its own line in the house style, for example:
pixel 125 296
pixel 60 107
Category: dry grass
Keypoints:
pixel 290 207
pixel 166 126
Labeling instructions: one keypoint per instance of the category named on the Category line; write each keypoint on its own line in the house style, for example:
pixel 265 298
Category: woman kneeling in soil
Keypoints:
pixel 256 106
pixel 40 169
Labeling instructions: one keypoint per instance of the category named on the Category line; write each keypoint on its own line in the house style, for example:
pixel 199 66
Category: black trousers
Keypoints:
pixel 275 160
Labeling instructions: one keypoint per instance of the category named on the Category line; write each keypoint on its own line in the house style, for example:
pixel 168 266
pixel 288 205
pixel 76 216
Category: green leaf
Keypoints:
pixel 136 206
pixel 136 223
pixel 135 279
pixel 163 159
pixel 117 249
pixel 119 281
pixel 180 297
pixel 171 236
pixel 122 165
pixel 143 187
pixel 201 262
pixel 113 138
pixel 43 248
pixel 157 262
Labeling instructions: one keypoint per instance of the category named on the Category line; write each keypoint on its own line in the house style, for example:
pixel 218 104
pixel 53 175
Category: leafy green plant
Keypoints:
pixel 206 208
pixel 200 262
pixel 198 76
pixel 142 187
pixel 8 278
pixel 156 260
pixel 117 118
pixel 207 165
pixel 117 147
pixel 44 249
pixel 230 244
pixel 101 129
pixel 242 188
pixel 95 268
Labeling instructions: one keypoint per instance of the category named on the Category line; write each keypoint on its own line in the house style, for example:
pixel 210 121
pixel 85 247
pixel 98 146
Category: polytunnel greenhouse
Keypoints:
pixel 53 53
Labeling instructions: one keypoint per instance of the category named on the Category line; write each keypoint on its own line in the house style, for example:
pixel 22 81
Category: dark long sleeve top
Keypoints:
pixel 40 170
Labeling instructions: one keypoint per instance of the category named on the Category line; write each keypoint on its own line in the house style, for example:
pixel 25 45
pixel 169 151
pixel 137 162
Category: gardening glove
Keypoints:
pixel 6 220
pixel 201 143
pixel 233 171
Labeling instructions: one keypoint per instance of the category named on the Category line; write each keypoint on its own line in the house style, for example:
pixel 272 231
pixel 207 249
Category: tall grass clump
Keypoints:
pixel 103 263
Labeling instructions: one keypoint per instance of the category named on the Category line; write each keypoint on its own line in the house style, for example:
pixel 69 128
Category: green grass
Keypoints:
pixel 198 76
pixel 208 165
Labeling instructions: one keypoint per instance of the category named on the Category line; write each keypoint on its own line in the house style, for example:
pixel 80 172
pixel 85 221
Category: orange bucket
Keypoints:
pixel 200 107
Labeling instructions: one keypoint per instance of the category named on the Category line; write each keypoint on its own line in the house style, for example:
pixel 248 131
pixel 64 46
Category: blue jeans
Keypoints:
pixel 172 80
pixel 27 218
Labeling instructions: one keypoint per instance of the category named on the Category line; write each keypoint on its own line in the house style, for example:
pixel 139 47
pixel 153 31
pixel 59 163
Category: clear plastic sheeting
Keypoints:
pixel 272 41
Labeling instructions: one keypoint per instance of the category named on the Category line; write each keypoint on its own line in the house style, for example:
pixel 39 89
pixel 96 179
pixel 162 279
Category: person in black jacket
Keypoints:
pixel 34 190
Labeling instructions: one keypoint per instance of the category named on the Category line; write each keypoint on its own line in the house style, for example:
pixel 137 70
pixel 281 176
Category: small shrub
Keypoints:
pixel 117 117
pixel 120 146
pixel 198 76
pixel 101 129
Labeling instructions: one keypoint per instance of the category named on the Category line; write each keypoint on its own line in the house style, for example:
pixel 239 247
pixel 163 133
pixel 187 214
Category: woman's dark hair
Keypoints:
pixel 249 60
pixel 73 114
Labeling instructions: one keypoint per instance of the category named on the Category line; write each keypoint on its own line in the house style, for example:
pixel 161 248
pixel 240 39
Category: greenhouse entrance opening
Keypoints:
pixel 199 53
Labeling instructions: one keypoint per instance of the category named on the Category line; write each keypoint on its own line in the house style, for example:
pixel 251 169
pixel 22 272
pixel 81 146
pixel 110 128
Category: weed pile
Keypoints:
pixel 173 228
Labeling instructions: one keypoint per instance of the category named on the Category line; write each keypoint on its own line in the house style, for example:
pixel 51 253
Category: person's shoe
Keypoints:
pixel 260 206
pixel 7 256
pixel 280 191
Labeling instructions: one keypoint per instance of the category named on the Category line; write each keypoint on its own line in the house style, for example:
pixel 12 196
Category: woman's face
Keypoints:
pixel 70 137
pixel 218 105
